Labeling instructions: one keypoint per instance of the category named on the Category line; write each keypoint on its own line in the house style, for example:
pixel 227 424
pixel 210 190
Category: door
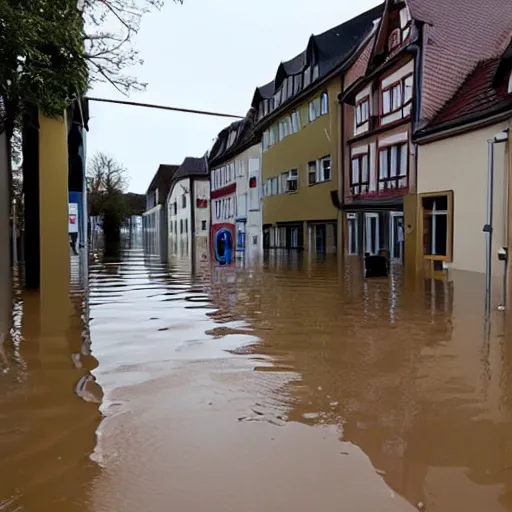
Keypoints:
pixel 353 234
pixel 396 236
pixel 320 237
pixel 371 234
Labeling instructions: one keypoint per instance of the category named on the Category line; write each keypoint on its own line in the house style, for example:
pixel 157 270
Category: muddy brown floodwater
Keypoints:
pixel 289 385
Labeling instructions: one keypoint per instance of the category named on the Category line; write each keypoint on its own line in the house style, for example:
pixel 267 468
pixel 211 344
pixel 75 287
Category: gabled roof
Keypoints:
pixel 458 35
pixel 245 137
pixel 328 50
pixel 162 181
pixel 191 166
pixel 476 100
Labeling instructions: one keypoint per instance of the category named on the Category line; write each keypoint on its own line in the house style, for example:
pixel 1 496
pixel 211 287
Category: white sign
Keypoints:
pixel 73 218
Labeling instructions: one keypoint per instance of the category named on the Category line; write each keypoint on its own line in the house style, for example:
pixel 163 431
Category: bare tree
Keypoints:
pixel 110 26
pixel 106 179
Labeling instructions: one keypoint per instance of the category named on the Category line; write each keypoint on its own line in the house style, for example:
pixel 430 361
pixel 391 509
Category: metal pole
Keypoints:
pixel 488 227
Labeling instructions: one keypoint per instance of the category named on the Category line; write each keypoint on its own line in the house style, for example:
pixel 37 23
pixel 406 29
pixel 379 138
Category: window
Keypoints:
pixel 181 226
pixel 292 181
pixel 307 77
pixel 176 226
pixel 266 140
pixel 272 136
pixel 510 84
pixel 393 167
pixel 316 73
pixel 297 83
pixel 183 201
pixel 360 176
pixel 254 240
pixel 290 86
pixel 170 227
pixel 324 169
pixel 204 225
pixel 231 138
pixel 314 109
pixel 295 119
pixel 175 204
pixel 186 225
pixel 312 172
pixel 324 104
pixel 362 112
pixel 273 187
pixel 397 95
pixel 395 39
pixel 283 177
pixel 277 98
pixel 285 127
pixel 437 225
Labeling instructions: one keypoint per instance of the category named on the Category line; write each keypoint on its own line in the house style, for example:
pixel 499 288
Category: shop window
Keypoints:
pixel 437 220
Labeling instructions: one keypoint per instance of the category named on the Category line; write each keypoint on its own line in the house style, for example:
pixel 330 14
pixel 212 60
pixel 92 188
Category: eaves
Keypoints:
pixel 313 88
pixel 236 150
pixel 463 125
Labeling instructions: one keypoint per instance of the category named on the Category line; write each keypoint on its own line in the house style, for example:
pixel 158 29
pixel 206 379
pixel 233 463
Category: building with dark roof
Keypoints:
pixel 155 216
pixel 297 119
pixel 423 52
pixel 236 200
pixel 453 162
pixel 188 210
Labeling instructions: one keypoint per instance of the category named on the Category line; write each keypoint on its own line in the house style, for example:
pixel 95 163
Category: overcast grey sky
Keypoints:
pixel 205 55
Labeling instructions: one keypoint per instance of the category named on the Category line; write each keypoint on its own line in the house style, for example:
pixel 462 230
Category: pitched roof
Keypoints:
pixel 245 137
pixel 458 35
pixel 191 166
pixel 330 48
pixel 162 181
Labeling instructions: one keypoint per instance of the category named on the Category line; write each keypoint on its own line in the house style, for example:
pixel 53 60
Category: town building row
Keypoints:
pixel 389 134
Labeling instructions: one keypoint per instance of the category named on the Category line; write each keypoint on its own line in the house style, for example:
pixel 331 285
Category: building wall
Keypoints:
pixel 179 225
pixel 152 231
pixel 201 218
pixel 314 141
pixel 460 164
pixel 235 205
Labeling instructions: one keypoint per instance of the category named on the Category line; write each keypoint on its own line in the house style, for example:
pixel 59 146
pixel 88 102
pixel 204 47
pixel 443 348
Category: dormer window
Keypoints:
pixel 307 77
pixel 284 89
pixel 297 83
pixel 510 83
pixel 277 99
pixel 394 39
pixel 231 138
pixel 290 86
pixel 316 73
pixel 405 23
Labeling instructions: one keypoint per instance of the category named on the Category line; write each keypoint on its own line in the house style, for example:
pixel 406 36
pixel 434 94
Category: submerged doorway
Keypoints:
pixel 371 233
pixel 396 236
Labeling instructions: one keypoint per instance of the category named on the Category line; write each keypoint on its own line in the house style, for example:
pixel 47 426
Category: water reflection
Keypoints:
pixel 47 431
pixel 288 385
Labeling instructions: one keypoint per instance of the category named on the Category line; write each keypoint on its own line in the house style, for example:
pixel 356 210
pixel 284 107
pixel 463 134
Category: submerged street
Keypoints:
pixel 289 385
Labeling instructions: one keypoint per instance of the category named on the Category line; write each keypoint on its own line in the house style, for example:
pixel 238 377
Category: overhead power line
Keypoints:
pixel 163 107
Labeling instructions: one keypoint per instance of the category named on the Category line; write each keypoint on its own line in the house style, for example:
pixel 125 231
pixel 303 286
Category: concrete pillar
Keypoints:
pixel 53 222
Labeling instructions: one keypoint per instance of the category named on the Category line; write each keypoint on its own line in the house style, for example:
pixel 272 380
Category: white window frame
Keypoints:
pixel 295 119
pixel 312 172
pixel 324 104
pixel 320 177
pixel 292 177
pixel 369 218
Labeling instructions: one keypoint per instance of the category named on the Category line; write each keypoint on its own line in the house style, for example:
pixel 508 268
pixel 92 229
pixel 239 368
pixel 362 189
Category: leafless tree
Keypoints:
pixel 110 26
pixel 106 181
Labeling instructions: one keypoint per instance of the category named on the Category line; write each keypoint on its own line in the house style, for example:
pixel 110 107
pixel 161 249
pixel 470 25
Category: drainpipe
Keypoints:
pixel 500 138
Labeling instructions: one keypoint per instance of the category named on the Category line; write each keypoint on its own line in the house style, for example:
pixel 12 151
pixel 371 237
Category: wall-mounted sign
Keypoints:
pixel 73 218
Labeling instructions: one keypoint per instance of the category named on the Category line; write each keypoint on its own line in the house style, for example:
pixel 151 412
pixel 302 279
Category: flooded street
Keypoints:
pixel 288 385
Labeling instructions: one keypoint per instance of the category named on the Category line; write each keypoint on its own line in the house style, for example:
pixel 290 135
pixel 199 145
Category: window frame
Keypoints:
pixel 321 169
pixel 359 105
pixel 292 177
pixel 324 96
pixel 311 172
pixel 360 183
pixel 398 176
pixel 390 88
pixel 448 258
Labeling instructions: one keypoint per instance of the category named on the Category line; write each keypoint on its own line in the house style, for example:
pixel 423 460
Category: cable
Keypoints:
pixel 162 107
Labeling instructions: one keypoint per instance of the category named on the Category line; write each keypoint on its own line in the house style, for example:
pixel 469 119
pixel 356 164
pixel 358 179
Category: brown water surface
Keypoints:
pixel 290 385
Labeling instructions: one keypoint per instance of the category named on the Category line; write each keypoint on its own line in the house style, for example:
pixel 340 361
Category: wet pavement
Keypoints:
pixel 287 385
